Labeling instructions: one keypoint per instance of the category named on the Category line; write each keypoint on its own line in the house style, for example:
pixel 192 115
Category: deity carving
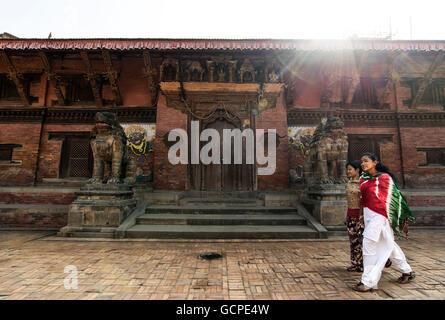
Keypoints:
pixel 247 72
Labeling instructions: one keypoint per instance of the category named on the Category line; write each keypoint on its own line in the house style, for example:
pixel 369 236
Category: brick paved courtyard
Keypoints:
pixel 32 267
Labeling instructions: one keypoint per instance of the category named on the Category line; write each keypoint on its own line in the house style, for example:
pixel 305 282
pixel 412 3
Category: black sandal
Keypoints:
pixel 360 287
pixel 354 269
pixel 406 277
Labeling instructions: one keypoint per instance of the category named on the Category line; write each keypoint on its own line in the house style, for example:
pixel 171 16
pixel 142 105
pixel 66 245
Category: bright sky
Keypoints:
pixel 278 19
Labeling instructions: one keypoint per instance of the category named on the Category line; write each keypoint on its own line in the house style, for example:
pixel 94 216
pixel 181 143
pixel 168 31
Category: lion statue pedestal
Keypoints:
pixel 325 173
pixel 104 202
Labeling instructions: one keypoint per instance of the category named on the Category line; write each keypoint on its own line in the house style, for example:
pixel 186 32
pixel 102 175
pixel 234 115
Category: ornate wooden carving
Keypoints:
pixel 290 90
pixel 92 78
pixel 169 63
pixel 55 80
pixel 192 67
pixel 112 77
pixel 392 76
pixel 204 96
pixel 427 79
pixel 150 73
pixel 354 81
pixel 16 77
pixel 371 118
pixel 272 71
pixel 247 72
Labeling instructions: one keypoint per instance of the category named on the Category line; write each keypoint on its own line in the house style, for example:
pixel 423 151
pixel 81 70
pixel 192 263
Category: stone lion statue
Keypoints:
pixel 326 163
pixel 109 145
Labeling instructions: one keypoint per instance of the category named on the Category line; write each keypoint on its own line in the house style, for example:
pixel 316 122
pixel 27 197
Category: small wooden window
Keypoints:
pixel 78 90
pixel 433 156
pixel 8 90
pixel 433 95
pixel 6 152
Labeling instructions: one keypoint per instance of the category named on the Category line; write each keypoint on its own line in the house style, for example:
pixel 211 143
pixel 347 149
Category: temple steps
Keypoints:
pixel 221 232
pixel 214 201
pixel 205 209
pixel 220 219
pixel 212 218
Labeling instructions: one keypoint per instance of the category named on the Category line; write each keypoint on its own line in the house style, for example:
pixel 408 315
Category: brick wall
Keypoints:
pixel 27 135
pixel 276 118
pixel 422 176
pixel 37 197
pixel 167 175
pixel 32 219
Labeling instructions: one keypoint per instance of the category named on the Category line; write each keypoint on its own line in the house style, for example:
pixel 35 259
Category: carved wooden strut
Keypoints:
pixel 112 77
pixel 55 80
pixel 92 78
pixel 16 77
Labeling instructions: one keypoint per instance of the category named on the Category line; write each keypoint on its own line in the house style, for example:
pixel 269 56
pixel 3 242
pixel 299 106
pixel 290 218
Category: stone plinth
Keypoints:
pixel 328 204
pixel 99 210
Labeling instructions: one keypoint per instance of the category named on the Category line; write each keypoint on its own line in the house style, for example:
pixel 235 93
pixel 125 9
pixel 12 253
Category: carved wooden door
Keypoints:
pixel 217 177
pixel 222 177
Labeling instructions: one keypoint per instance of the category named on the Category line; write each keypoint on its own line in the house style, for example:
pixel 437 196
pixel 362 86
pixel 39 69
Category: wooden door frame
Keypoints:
pixel 217 114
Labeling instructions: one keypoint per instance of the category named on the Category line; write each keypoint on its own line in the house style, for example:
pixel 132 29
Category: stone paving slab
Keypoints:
pixel 32 267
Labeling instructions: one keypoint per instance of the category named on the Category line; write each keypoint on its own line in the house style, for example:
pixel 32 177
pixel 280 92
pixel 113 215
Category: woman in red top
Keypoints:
pixel 384 209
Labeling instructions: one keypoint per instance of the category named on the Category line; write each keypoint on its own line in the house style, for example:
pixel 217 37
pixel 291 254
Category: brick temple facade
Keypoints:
pixel 390 95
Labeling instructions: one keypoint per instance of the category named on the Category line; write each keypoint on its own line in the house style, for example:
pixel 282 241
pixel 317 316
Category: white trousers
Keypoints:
pixel 378 247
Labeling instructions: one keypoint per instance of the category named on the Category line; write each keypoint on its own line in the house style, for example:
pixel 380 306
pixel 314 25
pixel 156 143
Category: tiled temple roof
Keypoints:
pixel 221 44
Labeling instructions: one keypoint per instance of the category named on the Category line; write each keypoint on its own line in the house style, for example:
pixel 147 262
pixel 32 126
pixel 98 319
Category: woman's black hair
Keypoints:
pixel 356 165
pixel 380 166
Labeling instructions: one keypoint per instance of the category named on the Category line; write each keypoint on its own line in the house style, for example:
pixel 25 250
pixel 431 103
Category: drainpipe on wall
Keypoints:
pixel 399 134
pixel 41 131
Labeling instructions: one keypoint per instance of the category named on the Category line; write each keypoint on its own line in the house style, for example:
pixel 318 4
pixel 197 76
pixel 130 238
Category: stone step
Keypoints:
pixel 106 235
pixel 429 216
pixel 220 219
pixel 221 194
pixel 220 232
pixel 219 209
pixel 214 201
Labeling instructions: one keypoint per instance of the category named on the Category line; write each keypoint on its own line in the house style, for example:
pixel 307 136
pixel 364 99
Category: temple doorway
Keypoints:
pixel 222 177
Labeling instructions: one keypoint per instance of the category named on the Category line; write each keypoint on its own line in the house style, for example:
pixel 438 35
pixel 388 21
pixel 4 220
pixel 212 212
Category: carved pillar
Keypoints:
pixel 211 69
pixel 150 73
pixel 232 70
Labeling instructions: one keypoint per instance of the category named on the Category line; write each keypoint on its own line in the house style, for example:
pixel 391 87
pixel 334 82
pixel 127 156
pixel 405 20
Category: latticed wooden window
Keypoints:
pixel 359 144
pixel 76 158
